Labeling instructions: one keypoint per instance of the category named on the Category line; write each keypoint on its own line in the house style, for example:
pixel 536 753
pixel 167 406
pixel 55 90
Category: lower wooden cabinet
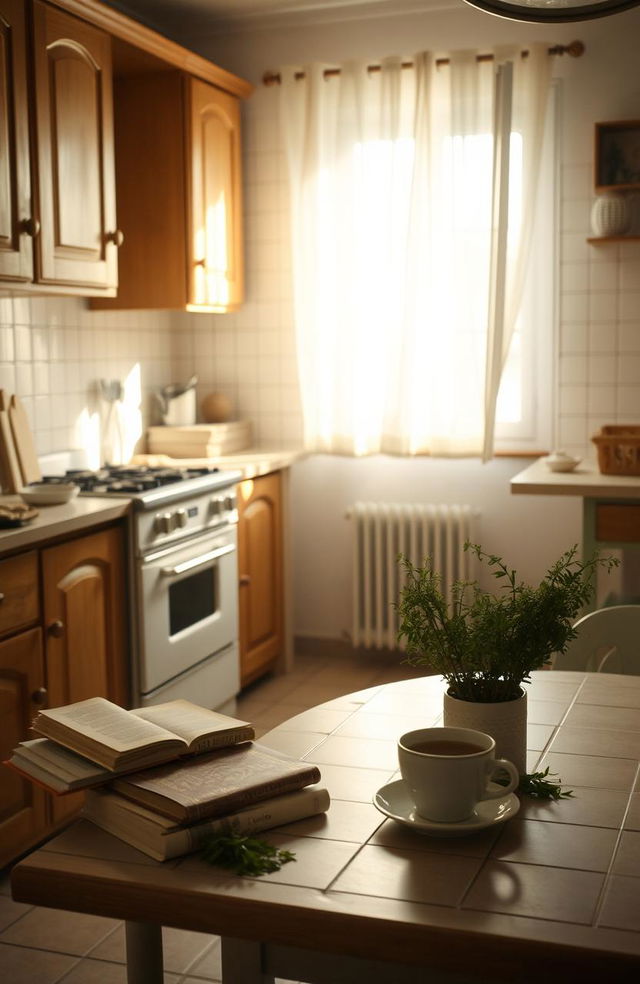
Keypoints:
pixel 83 608
pixel 23 806
pixel 260 564
pixel 76 648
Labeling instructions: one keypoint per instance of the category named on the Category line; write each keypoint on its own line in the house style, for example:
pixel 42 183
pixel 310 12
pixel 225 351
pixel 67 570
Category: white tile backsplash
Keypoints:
pixel 574 338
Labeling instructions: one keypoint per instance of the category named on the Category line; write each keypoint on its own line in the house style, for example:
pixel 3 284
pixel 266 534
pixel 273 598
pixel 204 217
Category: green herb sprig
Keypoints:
pixel 540 785
pixel 244 855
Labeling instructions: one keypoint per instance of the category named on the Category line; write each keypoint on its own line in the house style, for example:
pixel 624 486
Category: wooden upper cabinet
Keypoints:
pixel 215 256
pixel 77 240
pixel 178 183
pixel 16 252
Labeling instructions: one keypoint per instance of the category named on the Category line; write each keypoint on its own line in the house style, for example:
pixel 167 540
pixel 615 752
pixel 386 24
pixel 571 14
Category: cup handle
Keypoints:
pixel 502 765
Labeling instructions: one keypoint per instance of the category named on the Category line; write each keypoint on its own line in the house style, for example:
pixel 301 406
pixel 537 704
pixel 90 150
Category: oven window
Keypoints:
pixel 192 599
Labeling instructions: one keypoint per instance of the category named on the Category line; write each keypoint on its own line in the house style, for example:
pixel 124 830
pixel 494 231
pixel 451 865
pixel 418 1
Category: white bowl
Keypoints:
pixel 561 462
pixel 45 494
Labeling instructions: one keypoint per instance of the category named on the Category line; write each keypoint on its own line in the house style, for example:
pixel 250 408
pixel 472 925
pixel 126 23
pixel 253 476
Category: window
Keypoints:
pixel 394 182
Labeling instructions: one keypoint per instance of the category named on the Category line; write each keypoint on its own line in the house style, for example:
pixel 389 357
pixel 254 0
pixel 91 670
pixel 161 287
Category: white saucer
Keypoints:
pixel 394 801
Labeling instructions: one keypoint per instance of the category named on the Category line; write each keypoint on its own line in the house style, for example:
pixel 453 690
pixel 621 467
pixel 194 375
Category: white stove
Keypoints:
pixel 184 579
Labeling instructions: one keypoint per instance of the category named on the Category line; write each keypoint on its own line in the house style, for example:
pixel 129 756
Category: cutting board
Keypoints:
pixel 9 467
pixel 23 440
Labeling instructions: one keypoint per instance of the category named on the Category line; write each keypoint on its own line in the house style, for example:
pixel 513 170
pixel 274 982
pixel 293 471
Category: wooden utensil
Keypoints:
pixel 23 438
pixel 9 465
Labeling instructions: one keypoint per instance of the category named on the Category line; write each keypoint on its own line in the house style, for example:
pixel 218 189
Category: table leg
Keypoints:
pixel 242 962
pixel 144 953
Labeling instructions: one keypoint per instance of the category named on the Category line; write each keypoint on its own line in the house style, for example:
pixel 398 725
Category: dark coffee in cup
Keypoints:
pixel 446 748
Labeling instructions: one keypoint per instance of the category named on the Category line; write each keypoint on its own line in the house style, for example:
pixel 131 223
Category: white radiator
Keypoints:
pixel 382 531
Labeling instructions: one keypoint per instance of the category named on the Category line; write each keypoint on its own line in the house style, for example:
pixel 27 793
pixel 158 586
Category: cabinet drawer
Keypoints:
pixel 19 595
pixel 618 523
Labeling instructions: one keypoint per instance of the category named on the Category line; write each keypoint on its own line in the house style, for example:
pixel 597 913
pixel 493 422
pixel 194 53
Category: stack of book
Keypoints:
pixel 199 440
pixel 164 778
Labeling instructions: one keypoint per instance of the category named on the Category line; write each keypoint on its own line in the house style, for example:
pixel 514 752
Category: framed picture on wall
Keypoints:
pixel 617 156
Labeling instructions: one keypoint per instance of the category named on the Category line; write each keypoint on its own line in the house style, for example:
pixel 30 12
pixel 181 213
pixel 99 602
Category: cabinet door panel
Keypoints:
pixel 216 214
pixel 75 83
pixel 260 568
pixel 74 124
pixel 22 805
pixel 84 625
pixel 84 618
pixel 16 252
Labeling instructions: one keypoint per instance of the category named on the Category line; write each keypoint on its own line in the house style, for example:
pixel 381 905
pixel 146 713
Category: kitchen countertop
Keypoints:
pixel 252 462
pixel 81 513
pixel 87 511
pixel 585 481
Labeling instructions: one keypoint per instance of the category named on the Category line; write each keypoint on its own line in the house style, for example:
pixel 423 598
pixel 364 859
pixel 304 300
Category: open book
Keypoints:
pixel 217 784
pixel 83 744
pixel 162 839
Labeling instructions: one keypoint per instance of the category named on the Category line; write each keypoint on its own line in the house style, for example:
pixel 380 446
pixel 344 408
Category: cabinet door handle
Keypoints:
pixel 39 696
pixel 1 597
pixel 245 580
pixel 31 227
pixel 56 628
pixel 116 237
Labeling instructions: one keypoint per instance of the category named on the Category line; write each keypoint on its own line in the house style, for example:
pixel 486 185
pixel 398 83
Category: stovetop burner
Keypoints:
pixel 125 480
pixel 148 487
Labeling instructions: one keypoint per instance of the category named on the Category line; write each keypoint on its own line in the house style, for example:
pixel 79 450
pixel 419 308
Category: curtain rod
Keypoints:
pixel 575 49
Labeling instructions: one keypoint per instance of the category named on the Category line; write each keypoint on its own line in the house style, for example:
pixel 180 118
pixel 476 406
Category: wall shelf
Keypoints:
pixel 596 240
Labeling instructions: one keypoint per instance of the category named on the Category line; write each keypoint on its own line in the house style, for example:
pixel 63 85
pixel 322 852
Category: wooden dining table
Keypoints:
pixel 552 894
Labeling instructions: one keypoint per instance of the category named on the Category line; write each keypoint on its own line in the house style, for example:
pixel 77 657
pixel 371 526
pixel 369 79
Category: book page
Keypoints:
pixel 103 722
pixel 188 720
pixel 61 761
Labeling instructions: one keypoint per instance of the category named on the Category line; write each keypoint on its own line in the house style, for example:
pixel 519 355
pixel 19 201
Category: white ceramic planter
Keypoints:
pixel 506 722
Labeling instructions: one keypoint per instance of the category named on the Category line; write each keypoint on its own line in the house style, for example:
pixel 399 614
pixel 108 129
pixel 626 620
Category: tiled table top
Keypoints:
pixel 554 891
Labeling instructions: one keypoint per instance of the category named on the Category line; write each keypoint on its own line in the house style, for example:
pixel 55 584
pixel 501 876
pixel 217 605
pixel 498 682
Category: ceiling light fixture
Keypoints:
pixel 552 11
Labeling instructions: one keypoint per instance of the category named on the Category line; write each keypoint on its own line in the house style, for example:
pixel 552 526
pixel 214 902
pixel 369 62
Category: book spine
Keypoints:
pixel 286 809
pixel 247 797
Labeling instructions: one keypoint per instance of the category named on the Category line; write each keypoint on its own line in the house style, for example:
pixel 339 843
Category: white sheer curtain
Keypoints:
pixel 392 179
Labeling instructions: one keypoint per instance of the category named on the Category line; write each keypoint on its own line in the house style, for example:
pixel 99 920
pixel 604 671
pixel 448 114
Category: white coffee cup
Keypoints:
pixel 447 771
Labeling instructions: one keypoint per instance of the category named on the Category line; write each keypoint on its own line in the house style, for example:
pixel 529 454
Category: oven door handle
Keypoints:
pixel 195 562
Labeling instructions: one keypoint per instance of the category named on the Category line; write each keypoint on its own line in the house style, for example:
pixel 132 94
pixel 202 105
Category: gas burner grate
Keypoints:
pixel 126 480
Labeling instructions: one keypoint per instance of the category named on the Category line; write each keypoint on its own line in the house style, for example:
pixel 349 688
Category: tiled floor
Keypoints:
pixel 46 946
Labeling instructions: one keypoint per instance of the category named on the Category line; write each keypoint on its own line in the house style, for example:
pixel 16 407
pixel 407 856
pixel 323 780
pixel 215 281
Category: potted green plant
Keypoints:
pixel 486 645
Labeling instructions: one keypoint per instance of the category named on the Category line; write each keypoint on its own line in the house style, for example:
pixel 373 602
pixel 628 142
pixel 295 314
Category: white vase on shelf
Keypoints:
pixel 610 215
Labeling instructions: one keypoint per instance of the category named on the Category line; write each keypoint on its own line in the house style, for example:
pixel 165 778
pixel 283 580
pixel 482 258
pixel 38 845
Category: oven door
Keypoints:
pixel 188 606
